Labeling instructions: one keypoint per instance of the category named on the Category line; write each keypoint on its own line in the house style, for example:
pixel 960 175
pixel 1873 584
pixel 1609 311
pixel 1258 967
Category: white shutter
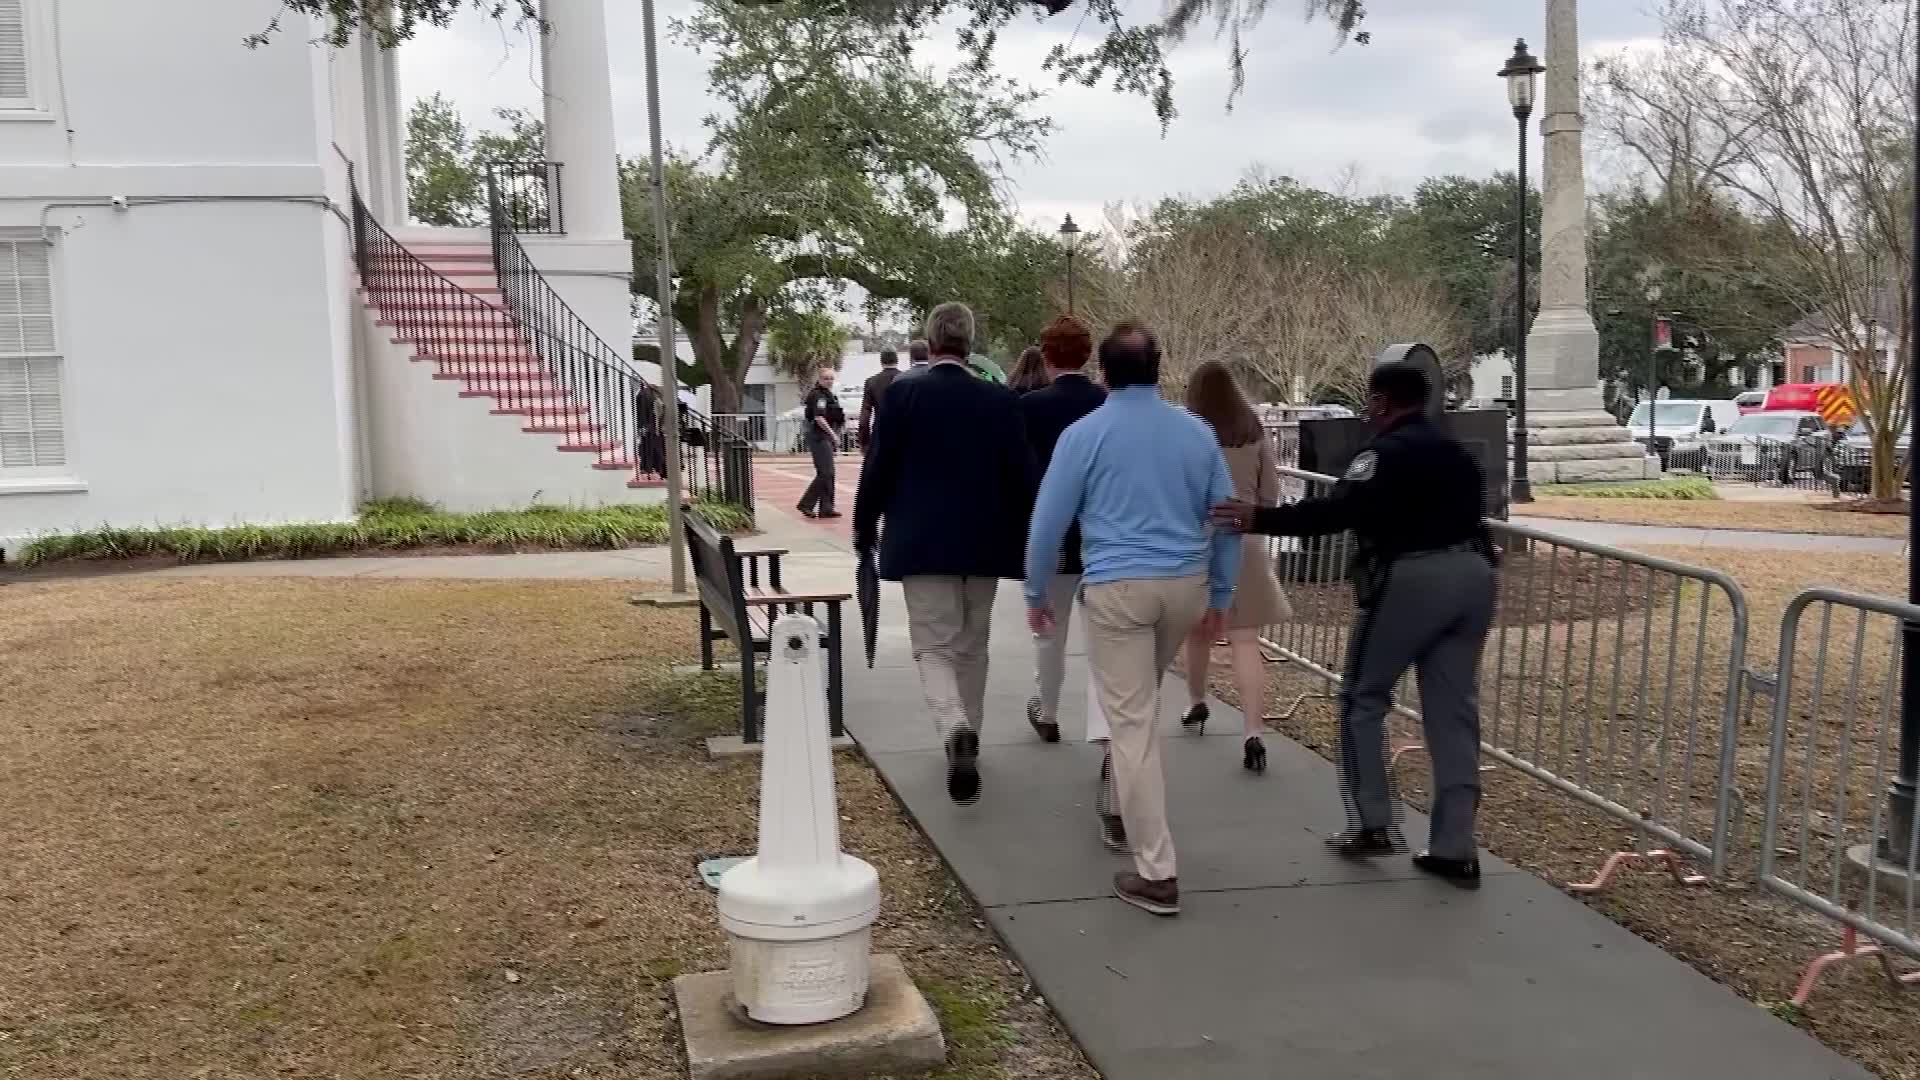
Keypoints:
pixel 15 81
pixel 32 415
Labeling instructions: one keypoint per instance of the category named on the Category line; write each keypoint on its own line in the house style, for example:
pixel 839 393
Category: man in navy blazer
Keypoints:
pixel 945 491
pixel 1066 344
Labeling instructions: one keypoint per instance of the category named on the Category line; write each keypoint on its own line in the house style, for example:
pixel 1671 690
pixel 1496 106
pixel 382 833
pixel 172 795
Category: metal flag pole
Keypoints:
pixel 663 290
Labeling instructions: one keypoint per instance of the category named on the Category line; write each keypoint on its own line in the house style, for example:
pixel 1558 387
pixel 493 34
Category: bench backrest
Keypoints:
pixel 716 572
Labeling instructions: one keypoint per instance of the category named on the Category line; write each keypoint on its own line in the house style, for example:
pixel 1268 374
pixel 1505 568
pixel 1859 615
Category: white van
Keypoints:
pixel 1665 426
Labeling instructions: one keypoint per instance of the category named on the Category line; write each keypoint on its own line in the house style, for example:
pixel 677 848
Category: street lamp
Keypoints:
pixel 1897 844
pixel 1521 71
pixel 1070 236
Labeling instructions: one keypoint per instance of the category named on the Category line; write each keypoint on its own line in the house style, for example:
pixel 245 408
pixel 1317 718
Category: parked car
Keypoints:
pixel 1667 427
pixel 1750 402
pixel 1769 445
pixel 1851 463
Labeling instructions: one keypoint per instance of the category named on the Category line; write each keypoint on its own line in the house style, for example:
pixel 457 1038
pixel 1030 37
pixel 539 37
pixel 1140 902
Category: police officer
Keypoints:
pixel 825 420
pixel 1424 583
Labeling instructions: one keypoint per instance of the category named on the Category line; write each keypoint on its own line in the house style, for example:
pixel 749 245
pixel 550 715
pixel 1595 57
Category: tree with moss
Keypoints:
pixel 837 164
pixel 1121 50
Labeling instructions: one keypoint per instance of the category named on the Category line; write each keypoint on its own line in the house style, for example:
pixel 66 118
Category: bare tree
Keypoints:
pixel 1803 110
pixel 1208 292
pixel 1376 308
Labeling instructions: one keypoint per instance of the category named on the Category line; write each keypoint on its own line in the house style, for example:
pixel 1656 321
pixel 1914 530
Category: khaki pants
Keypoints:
pixel 1134 630
pixel 947 623
pixel 1050 650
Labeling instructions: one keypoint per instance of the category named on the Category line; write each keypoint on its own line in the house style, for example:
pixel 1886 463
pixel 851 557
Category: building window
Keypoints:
pixel 24 64
pixel 1506 386
pixel 32 417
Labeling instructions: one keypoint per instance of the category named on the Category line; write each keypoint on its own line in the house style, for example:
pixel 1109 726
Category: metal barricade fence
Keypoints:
pixel 1826 842
pixel 1611 676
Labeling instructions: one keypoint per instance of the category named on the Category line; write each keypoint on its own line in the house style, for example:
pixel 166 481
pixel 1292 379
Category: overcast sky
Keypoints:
pixel 1421 100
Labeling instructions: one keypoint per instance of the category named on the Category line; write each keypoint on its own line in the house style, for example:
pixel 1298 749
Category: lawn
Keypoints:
pixel 1790 517
pixel 399 829
pixel 384 527
pixel 1547 688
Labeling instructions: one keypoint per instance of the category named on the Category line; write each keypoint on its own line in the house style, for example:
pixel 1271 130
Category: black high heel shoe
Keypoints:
pixel 1196 719
pixel 1254 755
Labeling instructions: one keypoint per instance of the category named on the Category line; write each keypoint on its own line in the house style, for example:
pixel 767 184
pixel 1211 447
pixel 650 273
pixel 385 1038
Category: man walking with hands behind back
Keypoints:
pixel 1142 476
pixel 1424 582
pixel 944 492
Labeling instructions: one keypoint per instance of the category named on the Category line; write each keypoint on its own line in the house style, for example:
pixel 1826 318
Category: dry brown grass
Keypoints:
pixel 1751 940
pixel 307 828
pixel 1787 517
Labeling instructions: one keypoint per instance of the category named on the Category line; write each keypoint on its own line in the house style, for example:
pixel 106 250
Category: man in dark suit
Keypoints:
pixel 951 476
pixel 1065 344
pixel 874 391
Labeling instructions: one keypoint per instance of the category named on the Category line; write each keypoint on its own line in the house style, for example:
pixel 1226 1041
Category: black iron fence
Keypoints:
pixel 526 195
pixel 623 418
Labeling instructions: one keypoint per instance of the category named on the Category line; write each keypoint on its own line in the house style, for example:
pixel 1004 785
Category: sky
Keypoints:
pixel 1421 100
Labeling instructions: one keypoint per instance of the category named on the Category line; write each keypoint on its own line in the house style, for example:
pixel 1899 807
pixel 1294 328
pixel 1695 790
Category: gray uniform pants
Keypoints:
pixel 819 494
pixel 1433 616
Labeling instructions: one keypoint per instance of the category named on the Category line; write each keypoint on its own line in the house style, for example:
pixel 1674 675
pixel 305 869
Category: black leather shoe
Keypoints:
pixel 963 769
pixel 1196 719
pixel 1464 873
pixel 1362 843
pixel 1048 730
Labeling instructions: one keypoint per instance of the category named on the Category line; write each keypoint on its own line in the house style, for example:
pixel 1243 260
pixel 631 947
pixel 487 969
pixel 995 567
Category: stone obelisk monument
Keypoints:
pixel 1571 437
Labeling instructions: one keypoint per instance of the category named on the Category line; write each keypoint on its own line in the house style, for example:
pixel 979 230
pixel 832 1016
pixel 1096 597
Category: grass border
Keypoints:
pixel 1667 488
pixel 386 525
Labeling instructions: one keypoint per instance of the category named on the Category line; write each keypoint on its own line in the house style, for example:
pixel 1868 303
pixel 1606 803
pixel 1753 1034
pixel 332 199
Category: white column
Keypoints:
pixel 375 169
pixel 579 114
pixel 395 147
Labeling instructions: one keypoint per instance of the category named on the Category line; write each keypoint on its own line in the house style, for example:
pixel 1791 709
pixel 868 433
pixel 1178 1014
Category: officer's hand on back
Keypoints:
pixel 1234 514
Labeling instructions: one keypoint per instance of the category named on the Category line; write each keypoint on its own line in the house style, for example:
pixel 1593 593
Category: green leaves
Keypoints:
pixel 800 343
pixel 446 174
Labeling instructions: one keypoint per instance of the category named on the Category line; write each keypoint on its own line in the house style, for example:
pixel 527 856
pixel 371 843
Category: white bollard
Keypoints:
pixel 799 913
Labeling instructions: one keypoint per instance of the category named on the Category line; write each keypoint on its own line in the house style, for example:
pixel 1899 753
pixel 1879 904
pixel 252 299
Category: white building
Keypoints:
pixel 183 334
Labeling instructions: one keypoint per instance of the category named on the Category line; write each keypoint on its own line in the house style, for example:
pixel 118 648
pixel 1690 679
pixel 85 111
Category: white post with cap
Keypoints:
pixel 799 914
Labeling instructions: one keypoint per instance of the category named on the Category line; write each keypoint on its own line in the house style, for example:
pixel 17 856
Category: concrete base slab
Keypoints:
pixel 732 746
pixel 1892 879
pixel 1593 470
pixel 895 1033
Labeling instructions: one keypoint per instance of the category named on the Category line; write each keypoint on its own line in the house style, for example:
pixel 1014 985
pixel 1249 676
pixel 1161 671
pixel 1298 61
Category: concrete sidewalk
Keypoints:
pixel 1286 961
pixel 1623 535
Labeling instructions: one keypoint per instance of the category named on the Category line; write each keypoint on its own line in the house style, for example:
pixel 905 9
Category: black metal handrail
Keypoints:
pixel 618 401
pixel 528 195
pixel 607 410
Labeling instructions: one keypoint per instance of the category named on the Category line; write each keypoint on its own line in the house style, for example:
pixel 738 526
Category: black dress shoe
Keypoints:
pixel 1362 843
pixel 1196 719
pixel 1464 873
pixel 827 515
pixel 963 769
pixel 1048 730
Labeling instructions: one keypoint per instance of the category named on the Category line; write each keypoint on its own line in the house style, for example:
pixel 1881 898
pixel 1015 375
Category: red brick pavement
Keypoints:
pixel 780 481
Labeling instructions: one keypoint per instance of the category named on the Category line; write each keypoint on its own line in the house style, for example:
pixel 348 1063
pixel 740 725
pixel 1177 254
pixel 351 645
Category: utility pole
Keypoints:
pixel 1897 843
pixel 663 292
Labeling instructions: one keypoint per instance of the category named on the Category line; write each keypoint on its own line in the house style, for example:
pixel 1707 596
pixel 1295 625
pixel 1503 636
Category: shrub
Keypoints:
pixel 387 525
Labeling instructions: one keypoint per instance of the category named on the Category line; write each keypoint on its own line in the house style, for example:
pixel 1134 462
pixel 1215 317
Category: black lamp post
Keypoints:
pixel 1070 236
pixel 1897 843
pixel 1521 71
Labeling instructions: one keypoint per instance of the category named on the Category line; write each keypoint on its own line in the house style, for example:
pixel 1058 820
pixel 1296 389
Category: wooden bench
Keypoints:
pixel 741 594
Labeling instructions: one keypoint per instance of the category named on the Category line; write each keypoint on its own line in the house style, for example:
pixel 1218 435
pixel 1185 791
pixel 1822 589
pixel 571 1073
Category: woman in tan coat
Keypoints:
pixel 1215 396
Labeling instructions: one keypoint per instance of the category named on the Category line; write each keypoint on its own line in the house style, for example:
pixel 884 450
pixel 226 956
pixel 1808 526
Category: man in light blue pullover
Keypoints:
pixel 1141 476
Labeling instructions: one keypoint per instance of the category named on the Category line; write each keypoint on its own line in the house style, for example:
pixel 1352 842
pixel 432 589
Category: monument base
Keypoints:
pixel 1584 447
pixel 894 1033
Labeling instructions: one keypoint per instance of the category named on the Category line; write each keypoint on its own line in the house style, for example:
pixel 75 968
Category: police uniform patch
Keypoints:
pixel 1363 466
